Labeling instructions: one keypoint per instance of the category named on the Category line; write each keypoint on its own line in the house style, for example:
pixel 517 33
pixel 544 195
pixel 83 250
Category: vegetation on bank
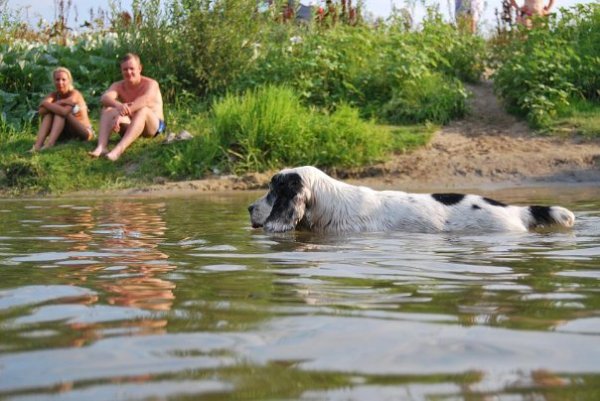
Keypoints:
pixel 259 93
pixel 550 74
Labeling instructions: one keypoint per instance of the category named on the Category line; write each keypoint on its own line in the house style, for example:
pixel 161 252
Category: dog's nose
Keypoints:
pixel 250 208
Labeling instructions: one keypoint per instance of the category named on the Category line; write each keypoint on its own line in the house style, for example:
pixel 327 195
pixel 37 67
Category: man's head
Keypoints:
pixel 131 68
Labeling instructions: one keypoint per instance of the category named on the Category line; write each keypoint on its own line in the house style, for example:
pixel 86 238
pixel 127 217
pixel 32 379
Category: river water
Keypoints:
pixel 179 298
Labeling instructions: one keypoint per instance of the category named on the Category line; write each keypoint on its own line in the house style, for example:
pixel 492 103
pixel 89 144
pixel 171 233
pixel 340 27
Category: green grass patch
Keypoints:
pixel 582 118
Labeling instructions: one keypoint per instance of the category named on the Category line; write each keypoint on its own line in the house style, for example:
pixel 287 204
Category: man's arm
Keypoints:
pixel 548 7
pixel 110 98
pixel 147 98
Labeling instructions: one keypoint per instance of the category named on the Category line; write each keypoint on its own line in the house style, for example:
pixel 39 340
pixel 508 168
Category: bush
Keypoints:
pixel 268 127
pixel 543 69
pixel 434 98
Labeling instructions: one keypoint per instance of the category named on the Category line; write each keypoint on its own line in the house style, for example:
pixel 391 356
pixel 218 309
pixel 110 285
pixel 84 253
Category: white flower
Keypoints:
pixel 295 40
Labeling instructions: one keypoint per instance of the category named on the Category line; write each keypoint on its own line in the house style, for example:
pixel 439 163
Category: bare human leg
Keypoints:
pixel 145 122
pixel 58 125
pixel 76 127
pixel 43 132
pixel 108 120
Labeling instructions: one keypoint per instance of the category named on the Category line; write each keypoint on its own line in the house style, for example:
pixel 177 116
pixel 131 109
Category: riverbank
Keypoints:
pixel 488 148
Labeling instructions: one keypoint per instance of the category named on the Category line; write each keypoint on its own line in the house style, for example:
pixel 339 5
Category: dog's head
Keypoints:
pixel 283 206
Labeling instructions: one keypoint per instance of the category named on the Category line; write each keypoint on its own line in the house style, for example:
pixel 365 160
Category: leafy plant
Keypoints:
pixel 544 69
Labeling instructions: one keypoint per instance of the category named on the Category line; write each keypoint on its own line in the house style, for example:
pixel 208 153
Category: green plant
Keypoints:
pixel 433 98
pixel 268 127
pixel 543 69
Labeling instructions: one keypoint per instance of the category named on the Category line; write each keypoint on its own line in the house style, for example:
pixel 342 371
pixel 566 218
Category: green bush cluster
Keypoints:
pixel 545 70
pixel 269 127
pixel 370 68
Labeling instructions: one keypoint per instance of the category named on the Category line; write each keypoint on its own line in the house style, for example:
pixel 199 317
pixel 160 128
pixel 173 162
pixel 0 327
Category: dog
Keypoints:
pixel 305 198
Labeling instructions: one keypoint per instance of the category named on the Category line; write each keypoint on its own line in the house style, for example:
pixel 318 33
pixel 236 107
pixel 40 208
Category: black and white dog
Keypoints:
pixel 307 198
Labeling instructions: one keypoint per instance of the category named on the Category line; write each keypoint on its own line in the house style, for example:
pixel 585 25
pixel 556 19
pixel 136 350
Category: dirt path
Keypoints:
pixel 491 147
pixel 488 147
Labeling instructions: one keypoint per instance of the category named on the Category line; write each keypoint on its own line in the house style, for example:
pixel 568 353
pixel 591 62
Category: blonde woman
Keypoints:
pixel 63 113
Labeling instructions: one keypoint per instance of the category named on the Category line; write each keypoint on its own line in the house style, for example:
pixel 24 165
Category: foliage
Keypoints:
pixel 363 66
pixel 268 127
pixel 581 118
pixel 432 98
pixel 543 69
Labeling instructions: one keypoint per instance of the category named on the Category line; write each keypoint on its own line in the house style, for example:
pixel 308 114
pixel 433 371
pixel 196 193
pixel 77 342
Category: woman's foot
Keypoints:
pixel 98 152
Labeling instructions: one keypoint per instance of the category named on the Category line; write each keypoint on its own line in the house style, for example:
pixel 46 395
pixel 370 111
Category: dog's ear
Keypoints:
pixel 289 205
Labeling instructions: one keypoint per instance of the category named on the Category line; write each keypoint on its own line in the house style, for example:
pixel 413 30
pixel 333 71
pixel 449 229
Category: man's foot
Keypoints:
pixel 112 156
pixel 98 152
pixel 33 150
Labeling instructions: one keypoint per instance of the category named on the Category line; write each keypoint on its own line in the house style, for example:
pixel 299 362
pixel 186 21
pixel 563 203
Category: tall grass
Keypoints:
pixel 269 127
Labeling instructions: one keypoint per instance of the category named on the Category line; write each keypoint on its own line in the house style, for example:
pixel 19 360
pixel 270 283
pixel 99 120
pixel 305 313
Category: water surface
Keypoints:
pixel 178 298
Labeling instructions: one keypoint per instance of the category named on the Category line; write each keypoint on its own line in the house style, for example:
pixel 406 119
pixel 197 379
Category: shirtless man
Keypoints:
pixel 132 107
pixel 531 8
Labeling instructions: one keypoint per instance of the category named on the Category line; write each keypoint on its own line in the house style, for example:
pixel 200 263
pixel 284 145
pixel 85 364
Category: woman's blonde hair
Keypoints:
pixel 66 71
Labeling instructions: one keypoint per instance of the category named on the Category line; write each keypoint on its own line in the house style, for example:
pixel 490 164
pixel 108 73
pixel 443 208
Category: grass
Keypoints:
pixel 582 118
pixel 259 130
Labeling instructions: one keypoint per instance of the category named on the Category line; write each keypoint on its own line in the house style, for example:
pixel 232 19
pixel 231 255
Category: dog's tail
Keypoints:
pixel 548 216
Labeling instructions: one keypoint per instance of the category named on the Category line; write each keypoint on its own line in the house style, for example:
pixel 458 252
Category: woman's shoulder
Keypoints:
pixel 78 95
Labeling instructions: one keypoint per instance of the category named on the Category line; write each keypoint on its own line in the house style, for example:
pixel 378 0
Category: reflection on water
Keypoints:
pixel 178 298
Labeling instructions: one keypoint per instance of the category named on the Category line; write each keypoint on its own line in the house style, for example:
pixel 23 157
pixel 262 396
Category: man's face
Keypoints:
pixel 131 70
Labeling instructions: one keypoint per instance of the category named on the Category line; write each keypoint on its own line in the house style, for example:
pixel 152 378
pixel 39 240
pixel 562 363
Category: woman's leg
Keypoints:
pixel 78 129
pixel 58 125
pixel 43 131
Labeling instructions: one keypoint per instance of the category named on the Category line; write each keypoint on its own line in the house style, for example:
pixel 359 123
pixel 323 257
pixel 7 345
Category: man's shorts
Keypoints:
pixel 162 126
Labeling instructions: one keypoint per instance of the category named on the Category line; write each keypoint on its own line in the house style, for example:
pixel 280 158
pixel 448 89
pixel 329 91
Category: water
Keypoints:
pixel 178 298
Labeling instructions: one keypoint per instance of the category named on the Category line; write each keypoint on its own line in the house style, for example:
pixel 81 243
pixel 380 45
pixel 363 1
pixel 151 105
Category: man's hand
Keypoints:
pixel 124 109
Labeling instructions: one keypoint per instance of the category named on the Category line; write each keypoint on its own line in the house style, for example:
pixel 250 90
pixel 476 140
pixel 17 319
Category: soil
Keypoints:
pixel 487 148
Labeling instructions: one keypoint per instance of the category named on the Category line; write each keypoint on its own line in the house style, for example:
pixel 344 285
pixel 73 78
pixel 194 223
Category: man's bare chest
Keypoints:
pixel 129 94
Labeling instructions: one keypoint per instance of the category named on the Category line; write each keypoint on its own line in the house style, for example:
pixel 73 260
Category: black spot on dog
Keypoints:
pixel 285 185
pixel 448 199
pixel 285 188
pixel 494 202
pixel 476 207
pixel 541 215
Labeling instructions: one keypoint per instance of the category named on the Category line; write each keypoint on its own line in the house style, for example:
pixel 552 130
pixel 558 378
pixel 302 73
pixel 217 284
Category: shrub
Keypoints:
pixel 434 98
pixel 544 68
pixel 268 127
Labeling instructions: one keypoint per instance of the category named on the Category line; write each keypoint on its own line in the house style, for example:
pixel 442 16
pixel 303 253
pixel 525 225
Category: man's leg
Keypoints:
pixel 43 131
pixel 145 122
pixel 108 119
